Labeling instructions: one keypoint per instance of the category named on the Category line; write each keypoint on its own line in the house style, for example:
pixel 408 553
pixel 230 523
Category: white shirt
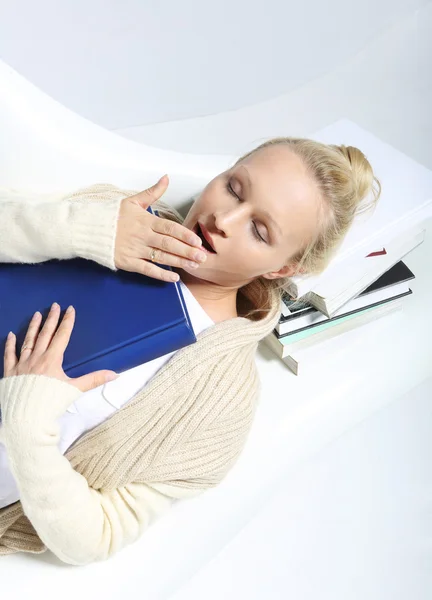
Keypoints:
pixel 97 405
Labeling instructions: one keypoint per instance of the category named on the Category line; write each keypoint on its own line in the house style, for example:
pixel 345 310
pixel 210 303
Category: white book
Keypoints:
pixel 331 295
pixel 406 199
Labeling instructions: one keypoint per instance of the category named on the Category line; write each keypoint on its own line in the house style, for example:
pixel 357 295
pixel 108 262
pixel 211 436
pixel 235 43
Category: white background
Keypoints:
pixel 298 66
pixel 354 521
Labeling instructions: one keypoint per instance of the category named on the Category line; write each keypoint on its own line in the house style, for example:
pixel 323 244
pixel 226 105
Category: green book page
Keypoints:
pixel 286 340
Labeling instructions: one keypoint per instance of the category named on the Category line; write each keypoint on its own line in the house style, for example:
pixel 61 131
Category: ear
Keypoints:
pixel 286 271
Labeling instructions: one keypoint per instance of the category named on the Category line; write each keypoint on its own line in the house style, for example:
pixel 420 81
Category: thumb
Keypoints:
pixel 94 380
pixel 153 193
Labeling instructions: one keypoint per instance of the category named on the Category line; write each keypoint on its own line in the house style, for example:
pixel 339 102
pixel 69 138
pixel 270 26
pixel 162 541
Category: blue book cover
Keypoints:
pixel 122 320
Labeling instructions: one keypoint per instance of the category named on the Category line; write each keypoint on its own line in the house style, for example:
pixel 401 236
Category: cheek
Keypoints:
pixel 249 259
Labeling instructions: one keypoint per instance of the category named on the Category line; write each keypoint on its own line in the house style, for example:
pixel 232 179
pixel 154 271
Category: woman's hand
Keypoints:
pixel 139 233
pixel 42 352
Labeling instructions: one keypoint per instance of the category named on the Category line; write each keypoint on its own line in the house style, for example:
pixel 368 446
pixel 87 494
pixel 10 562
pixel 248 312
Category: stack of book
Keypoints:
pixel 301 325
pixel 367 278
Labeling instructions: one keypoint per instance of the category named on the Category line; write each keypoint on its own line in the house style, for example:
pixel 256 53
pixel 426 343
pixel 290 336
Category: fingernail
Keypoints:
pixel 69 309
pixel 54 305
pixel 10 335
pixel 200 256
pixel 196 242
pixel 193 265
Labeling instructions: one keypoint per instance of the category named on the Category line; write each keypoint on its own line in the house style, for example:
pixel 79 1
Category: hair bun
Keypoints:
pixel 363 178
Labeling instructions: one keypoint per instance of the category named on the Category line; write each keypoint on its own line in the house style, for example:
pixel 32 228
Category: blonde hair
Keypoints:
pixel 347 186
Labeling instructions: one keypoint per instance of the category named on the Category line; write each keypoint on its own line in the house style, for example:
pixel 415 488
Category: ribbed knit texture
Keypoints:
pixel 74 226
pixel 186 428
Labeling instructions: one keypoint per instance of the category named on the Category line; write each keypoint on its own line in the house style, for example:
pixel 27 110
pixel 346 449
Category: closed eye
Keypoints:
pixel 255 231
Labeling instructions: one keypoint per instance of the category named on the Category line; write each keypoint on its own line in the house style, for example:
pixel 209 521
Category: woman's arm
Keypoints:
pixel 79 524
pixel 32 231
pixel 101 222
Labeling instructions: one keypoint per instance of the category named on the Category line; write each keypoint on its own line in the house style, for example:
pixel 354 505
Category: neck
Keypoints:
pixel 220 303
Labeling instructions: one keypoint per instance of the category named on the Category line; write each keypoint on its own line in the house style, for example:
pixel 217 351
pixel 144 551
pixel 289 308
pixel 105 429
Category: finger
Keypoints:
pixel 180 251
pixel 93 380
pixel 47 332
pixel 177 232
pixel 10 357
pixel 166 258
pixel 151 270
pixel 153 193
pixel 63 334
pixel 31 336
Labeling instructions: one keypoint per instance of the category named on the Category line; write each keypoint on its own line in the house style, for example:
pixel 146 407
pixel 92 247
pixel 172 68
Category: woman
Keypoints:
pixel 281 209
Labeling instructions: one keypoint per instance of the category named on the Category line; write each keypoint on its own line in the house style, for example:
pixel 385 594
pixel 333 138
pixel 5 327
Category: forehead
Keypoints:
pixel 281 183
pixel 278 170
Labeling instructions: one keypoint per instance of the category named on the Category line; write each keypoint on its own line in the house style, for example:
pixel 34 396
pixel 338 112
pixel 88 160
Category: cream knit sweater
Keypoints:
pixel 177 437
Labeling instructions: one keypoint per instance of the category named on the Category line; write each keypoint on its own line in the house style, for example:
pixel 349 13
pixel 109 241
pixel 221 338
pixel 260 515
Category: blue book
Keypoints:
pixel 122 319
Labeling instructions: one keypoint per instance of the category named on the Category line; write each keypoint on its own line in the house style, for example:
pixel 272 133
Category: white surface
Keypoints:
pixel 135 62
pixel 296 418
pixel 352 523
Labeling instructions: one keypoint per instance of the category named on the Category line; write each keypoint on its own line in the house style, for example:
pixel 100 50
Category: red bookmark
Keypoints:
pixel 378 253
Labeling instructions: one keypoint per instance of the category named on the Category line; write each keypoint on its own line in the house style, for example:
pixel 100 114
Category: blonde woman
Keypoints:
pixel 83 476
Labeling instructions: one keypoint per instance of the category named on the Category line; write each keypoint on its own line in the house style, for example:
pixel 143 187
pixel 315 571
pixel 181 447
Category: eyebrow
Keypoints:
pixel 263 211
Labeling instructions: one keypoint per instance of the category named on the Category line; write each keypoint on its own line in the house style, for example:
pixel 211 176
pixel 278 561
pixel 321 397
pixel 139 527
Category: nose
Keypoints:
pixel 227 221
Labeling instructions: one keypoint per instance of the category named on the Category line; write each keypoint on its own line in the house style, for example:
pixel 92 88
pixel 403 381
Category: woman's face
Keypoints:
pixel 259 213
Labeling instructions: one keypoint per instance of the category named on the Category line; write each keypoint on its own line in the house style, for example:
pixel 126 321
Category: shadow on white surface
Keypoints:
pixel 352 523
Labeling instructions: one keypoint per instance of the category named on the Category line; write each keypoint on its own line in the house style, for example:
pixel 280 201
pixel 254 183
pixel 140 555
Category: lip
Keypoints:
pixel 207 236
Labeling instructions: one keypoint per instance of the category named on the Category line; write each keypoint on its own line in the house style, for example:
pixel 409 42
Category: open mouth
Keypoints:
pixel 205 244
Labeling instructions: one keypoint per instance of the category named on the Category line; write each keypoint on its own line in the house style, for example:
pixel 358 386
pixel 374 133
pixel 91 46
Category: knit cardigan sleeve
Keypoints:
pixel 33 231
pixel 78 524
